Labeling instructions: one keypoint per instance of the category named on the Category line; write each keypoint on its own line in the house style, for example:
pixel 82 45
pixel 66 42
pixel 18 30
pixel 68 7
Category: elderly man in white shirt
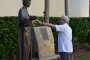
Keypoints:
pixel 65 47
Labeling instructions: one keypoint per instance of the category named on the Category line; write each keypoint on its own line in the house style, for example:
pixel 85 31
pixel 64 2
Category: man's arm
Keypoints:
pixel 49 25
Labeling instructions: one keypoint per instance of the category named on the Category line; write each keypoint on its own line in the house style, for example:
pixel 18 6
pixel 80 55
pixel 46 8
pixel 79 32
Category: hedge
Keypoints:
pixel 8 33
pixel 8 37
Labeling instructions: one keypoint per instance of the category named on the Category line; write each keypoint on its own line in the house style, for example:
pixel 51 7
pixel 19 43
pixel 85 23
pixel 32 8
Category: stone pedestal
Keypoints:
pixel 42 41
pixel 44 44
pixel 55 57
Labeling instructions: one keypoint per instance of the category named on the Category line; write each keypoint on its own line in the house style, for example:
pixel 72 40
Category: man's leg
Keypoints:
pixel 66 56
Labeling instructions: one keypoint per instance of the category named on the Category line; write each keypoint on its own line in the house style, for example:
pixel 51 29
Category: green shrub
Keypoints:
pixel 9 35
pixel 80 27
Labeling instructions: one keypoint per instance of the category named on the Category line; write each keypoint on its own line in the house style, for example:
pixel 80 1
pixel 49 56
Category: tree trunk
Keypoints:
pixel 89 23
pixel 46 12
pixel 66 8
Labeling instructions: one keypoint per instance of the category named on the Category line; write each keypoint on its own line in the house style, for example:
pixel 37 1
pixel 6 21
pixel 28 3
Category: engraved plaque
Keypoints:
pixel 44 33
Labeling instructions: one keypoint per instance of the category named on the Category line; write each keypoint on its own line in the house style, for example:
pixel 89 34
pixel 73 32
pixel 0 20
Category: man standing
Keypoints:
pixel 65 47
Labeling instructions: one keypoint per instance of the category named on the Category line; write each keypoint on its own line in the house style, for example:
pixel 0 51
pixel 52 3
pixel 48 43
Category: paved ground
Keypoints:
pixel 55 57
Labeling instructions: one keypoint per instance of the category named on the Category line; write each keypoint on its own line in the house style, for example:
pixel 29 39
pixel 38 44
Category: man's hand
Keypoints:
pixel 46 24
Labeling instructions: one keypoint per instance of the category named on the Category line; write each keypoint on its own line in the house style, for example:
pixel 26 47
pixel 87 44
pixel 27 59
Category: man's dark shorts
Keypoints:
pixel 66 55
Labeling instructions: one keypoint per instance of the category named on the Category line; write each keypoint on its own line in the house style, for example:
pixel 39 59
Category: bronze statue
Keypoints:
pixel 25 46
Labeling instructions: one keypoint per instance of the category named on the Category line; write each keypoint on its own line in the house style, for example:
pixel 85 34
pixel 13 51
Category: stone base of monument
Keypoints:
pixel 42 42
pixel 43 47
pixel 55 57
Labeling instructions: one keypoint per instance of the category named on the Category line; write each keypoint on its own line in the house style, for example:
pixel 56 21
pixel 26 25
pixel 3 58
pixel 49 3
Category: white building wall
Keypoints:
pixel 57 8
pixel 11 7
pixel 77 8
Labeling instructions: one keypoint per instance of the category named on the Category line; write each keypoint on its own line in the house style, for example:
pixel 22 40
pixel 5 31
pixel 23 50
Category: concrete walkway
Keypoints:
pixel 55 57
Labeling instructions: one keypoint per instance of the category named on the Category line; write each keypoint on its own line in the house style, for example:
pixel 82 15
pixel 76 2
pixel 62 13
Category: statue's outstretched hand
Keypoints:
pixel 39 22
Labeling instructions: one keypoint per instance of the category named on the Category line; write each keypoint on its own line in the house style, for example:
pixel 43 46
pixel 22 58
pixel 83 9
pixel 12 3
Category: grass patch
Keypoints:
pixel 85 58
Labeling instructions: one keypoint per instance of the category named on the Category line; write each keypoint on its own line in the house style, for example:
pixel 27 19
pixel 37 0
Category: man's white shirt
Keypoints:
pixel 64 38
